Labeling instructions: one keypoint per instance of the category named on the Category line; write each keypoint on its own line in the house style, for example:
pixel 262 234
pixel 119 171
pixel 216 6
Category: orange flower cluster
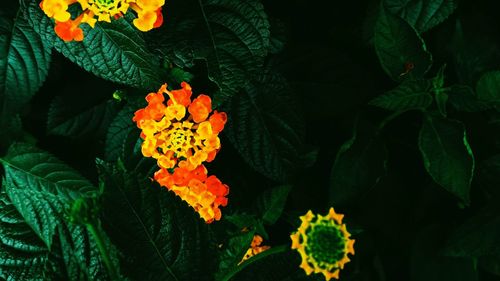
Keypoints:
pixel 181 143
pixel 148 12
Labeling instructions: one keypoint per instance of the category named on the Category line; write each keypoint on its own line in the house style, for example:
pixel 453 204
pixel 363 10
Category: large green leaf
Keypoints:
pixel 40 186
pixel 359 165
pixel 422 14
pixel 265 126
pixel 411 94
pixel 114 51
pixel 401 51
pixel 160 237
pixel 447 155
pixel 79 117
pixel 40 242
pixel 231 36
pixel 24 61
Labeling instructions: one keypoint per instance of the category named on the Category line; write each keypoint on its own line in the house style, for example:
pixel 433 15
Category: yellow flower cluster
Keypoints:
pixel 148 13
pixel 323 244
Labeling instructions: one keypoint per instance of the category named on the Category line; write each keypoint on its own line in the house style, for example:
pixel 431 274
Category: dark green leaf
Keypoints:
pixel 242 221
pixel 76 118
pixel 359 165
pixel 51 184
pixel 479 236
pixel 411 94
pixel 41 188
pixel 24 62
pixel 265 126
pixel 428 265
pixel 271 203
pixel 116 52
pixel 233 253
pixel 231 36
pixel 488 87
pixel 463 98
pixel 447 155
pixel 160 237
pixel 401 51
pixel 422 14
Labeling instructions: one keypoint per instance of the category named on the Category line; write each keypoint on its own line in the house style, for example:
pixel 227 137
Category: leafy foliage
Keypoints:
pixel 412 94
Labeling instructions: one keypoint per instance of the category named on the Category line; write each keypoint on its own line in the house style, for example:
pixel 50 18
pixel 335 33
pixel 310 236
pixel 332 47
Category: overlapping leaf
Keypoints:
pixel 412 94
pixel 160 236
pixel 265 126
pixel 231 36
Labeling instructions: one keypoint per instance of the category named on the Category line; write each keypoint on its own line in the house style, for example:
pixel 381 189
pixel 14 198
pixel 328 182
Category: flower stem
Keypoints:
pixel 97 234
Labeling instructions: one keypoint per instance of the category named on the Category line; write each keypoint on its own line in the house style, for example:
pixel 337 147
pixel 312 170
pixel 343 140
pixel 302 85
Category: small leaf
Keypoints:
pixel 478 236
pixel 116 52
pixel 359 165
pixel 427 263
pixel 78 117
pixel 271 203
pixel 488 87
pixel 422 14
pixel 401 51
pixel 233 253
pixel 266 128
pixel 411 94
pixel 463 98
pixel 447 155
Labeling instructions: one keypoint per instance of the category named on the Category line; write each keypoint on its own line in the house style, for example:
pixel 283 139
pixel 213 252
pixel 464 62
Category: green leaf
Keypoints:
pixel 233 253
pixel 401 51
pixel 479 236
pixel 272 202
pixel 23 256
pixel 265 126
pixel 24 62
pixel 411 94
pixel 463 98
pixel 115 52
pixel 447 155
pixel 488 87
pixel 40 189
pixel 231 36
pixel 160 236
pixel 359 165
pixel 422 14
pixel 427 264
pixel 249 221
pixel 51 184
pixel 276 264
pixel 80 117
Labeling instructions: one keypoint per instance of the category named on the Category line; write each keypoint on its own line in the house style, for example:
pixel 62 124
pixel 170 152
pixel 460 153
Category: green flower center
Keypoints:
pixel 179 139
pixel 326 244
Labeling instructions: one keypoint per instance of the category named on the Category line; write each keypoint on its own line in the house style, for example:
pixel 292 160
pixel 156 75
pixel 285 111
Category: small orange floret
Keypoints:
pixel 68 31
pixel 159 18
pixel 200 108
pixel 218 120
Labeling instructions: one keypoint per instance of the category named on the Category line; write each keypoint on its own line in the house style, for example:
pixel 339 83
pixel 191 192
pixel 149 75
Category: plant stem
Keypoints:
pixel 98 237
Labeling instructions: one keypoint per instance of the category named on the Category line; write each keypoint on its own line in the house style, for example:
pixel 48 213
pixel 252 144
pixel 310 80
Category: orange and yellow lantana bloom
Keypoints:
pixel 323 244
pixel 148 13
pixel 181 135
